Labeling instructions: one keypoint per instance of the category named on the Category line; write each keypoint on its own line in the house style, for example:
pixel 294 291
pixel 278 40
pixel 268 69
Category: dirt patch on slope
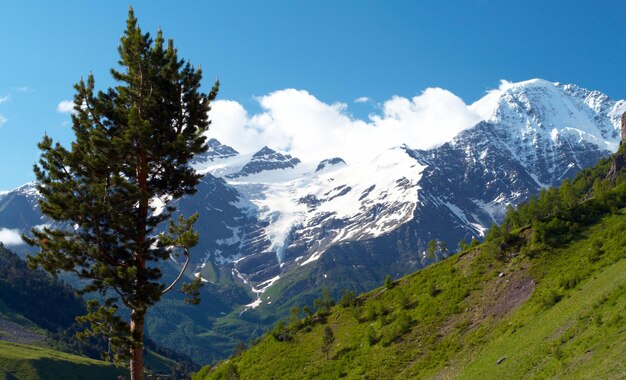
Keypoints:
pixel 503 295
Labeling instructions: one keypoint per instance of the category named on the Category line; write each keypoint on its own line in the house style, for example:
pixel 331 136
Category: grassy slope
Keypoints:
pixel 560 313
pixel 26 353
pixel 19 361
pixel 9 314
pixel 158 363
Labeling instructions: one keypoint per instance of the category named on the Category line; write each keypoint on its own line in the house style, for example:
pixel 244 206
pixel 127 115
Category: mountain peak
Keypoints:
pixel 329 162
pixel 216 151
pixel 535 82
pixel 553 110
pixel 265 151
pixel 264 160
pixel 217 148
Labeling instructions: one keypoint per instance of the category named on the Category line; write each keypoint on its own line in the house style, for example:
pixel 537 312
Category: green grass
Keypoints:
pixel 11 315
pixel 565 339
pixel 457 318
pixel 581 336
pixel 158 363
pixel 24 362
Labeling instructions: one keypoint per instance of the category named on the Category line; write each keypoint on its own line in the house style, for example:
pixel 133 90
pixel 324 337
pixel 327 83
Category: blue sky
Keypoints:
pixel 335 51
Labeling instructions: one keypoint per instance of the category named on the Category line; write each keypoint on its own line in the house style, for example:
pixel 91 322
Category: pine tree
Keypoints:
pixel 388 282
pixel 327 340
pixel 132 148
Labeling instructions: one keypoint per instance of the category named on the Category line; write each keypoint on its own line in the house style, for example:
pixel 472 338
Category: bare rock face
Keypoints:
pixel 623 129
pixel 620 159
pixel 266 160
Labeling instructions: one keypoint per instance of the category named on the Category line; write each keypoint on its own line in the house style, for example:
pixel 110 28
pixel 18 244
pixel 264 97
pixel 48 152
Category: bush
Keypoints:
pixel 552 298
pixel 570 282
pixel 399 327
pixel 596 252
pixel 325 302
pixel 231 372
pixel 348 299
pixel 281 332
pixel 372 336
pixel 388 282
pixel 402 299
pixel 433 290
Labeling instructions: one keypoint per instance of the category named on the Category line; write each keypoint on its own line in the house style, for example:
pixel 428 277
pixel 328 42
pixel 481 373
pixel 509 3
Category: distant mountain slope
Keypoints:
pixel 35 295
pixel 542 298
pixel 37 310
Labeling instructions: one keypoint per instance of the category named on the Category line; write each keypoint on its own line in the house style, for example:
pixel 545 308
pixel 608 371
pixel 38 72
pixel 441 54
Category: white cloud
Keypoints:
pixel 10 237
pixel 3 119
pixel 297 122
pixel 362 99
pixel 22 89
pixel 65 106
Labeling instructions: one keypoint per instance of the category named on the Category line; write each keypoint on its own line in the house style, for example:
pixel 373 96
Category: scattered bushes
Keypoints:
pixel 399 327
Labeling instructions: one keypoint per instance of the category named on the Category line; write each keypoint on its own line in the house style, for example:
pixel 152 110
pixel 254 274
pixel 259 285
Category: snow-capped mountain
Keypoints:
pixel 281 228
pixel 534 134
pixel 19 209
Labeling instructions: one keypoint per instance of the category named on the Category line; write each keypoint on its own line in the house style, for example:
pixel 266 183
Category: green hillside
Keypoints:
pixel 543 297
pixel 19 361
pixel 37 315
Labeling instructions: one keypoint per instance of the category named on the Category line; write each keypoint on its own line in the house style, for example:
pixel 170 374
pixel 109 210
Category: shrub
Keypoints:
pixel 433 290
pixel 325 302
pixel 372 336
pixel 388 282
pixel 552 298
pixel 281 332
pixel 399 327
pixel 231 372
pixel 348 299
pixel 570 282
pixel 402 299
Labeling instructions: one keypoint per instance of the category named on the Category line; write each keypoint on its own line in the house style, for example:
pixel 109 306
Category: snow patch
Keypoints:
pixel 262 287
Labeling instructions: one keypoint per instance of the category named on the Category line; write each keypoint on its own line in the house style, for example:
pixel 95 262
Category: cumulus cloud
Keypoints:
pixel 362 99
pixel 2 120
pixel 10 237
pixel 297 122
pixel 4 99
pixel 65 106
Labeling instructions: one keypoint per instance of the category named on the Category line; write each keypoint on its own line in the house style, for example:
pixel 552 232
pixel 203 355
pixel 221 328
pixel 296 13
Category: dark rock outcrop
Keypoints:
pixel 329 162
pixel 619 161
pixel 264 160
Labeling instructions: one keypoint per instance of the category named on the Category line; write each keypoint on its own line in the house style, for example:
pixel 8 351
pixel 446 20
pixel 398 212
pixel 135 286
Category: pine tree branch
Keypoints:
pixel 124 300
pixel 180 275
pixel 93 116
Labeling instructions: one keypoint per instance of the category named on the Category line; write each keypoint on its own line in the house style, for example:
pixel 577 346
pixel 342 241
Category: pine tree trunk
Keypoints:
pixel 136 348
pixel 137 316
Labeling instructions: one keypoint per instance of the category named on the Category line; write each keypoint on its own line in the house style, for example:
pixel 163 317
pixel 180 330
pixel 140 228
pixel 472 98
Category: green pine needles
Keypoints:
pixel 132 148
